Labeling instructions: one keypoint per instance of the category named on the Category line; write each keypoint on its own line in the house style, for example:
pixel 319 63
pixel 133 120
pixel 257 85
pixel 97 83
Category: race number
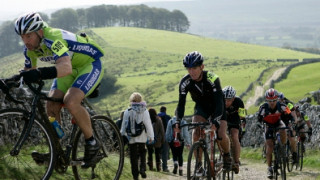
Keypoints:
pixel 59 48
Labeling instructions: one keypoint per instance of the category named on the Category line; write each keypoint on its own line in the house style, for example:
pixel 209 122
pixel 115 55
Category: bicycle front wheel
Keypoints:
pixel 289 157
pixel 23 164
pixel 111 153
pixel 198 166
pixel 300 155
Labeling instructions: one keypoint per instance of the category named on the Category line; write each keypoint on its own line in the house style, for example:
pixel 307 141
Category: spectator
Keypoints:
pixel 119 123
pixel 176 142
pixel 165 146
pixel 136 125
pixel 159 140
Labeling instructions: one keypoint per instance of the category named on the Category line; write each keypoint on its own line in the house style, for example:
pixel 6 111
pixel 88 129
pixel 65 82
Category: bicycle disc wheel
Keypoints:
pixel 289 157
pixel 198 166
pixel 23 165
pixel 111 154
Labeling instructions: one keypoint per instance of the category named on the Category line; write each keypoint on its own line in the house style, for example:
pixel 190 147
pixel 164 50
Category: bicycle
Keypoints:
pixel 229 174
pixel 289 158
pixel 300 149
pixel 280 159
pixel 29 130
pixel 199 165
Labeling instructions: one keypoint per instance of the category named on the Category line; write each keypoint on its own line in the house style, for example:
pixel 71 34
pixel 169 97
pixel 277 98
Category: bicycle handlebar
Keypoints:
pixel 193 125
pixel 7 84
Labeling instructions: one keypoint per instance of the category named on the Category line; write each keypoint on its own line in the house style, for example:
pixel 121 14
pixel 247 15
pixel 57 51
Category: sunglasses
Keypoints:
pixel 271 100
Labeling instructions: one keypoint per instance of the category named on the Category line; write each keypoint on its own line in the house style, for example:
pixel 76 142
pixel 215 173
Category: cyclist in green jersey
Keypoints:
pixel 77 71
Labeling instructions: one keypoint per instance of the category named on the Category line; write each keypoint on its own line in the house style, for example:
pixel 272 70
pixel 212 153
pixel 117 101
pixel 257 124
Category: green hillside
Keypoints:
pixel 150 62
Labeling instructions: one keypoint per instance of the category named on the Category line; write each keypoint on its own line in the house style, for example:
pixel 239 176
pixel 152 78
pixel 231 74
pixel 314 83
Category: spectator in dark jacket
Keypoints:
pixel 159 140
pixel 165 147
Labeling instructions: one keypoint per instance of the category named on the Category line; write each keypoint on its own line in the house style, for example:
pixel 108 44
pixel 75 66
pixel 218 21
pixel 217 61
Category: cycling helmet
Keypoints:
pixel 28 23
pixel 229 92
pixel 281 95
pixel 271 94
pixel 193 59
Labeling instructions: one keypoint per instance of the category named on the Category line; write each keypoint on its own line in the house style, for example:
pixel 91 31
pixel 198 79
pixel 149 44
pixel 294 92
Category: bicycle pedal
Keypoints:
pixel 76 163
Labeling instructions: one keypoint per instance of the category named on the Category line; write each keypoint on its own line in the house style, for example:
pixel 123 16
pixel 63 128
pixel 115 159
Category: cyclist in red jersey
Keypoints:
pixel 271 113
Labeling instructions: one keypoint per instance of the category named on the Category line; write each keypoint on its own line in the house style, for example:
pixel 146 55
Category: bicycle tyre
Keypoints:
pixel 111 165
pixel 280 159
pixel 300 156
pixel 289 157
pixel 40 139
pixel 193 163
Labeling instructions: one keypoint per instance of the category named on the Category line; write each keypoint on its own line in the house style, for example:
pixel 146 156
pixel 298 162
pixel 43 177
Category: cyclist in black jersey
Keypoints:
pixel 288 121
pixel 235 112
pixel 206 92
pixel 271 113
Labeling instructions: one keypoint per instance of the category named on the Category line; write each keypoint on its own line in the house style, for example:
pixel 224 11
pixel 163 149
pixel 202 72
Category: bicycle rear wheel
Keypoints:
pixel 22 165
pixel 112 151
pixel 198 166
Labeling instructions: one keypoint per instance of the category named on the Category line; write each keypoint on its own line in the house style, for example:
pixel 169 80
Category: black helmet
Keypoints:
pixel 229 92
pixel 193 59
pixel 28 23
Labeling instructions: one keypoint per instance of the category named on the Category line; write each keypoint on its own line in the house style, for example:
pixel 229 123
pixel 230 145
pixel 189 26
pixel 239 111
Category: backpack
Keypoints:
pixel 138 127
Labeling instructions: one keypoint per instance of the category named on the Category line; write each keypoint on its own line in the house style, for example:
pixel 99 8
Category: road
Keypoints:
pixel 249 170
pixel 259 91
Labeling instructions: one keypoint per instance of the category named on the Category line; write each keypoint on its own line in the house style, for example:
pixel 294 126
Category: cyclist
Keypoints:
pixel 303 119
pixel 206 92
pixel 288 121
pixel 77 71
pixel 271 113
pixel 235 112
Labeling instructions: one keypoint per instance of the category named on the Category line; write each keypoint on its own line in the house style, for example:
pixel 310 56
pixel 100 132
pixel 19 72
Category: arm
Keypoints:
pixel 148 125
pixel 169 131
pixel 63 66
pixel 219 101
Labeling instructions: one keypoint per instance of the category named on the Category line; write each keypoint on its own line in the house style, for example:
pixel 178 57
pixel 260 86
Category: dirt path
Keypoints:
pixel 248 171
pixel 260 89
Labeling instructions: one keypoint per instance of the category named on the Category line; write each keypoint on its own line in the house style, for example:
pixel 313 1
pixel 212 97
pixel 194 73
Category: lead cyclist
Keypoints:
pixel 76 70
pixel 206 92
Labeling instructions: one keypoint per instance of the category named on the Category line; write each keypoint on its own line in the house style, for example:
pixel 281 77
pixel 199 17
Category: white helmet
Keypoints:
pixel 229 92
pixel 28 23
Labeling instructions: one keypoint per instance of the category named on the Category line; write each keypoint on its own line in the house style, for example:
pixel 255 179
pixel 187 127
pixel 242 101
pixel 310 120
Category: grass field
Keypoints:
pixel 150 62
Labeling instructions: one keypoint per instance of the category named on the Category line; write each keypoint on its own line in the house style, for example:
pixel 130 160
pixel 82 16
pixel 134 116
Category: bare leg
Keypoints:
pixel 72 101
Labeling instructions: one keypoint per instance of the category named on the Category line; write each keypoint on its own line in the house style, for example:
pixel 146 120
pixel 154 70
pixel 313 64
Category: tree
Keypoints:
pixel 9 39
pixel 66 19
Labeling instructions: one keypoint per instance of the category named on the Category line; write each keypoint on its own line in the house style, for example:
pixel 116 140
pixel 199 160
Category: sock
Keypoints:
pixel 90 141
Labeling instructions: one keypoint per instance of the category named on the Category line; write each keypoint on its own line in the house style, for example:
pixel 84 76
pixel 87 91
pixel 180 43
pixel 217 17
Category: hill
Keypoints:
pixel 150 62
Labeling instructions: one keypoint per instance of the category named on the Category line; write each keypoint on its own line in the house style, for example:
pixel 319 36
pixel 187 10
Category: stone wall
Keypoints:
pixel 254 135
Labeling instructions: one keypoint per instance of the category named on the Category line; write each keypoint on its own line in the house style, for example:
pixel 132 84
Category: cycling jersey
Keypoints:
pixel 84 53
pixel 207 94
pixel 273 116
pixel 233 117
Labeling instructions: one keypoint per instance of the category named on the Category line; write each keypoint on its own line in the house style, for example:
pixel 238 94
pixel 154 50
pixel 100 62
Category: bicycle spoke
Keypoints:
pixel 111 154
pixel 23 164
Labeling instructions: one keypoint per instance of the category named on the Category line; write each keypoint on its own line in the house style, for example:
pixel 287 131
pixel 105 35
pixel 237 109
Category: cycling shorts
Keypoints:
pixel 269 130
pixel 206 113
pixel 235 126
pixel 85 78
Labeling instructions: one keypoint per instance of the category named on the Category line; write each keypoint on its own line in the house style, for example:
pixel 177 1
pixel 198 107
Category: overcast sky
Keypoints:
pixel 11 9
